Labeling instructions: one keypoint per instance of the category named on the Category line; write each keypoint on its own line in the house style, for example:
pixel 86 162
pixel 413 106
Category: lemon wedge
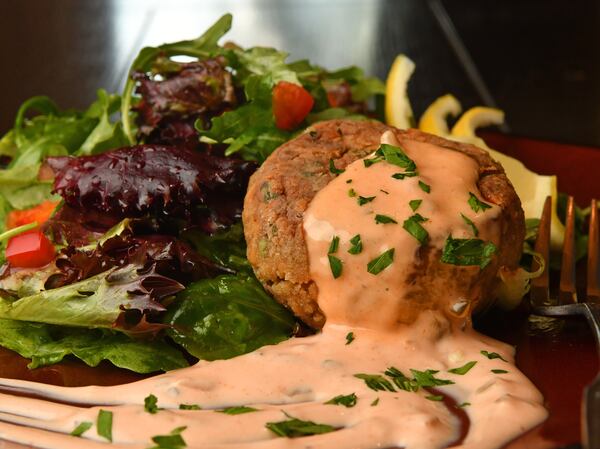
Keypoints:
pixel 398 111
pixel 531 187
pixel 435 119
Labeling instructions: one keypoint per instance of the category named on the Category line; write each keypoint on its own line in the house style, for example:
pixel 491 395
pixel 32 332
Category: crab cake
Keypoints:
pixel 280 192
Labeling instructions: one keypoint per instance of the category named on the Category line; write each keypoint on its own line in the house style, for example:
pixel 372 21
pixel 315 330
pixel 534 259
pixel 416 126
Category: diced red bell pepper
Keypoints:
pixel 30 250
pixel 291 105
pixel 39 213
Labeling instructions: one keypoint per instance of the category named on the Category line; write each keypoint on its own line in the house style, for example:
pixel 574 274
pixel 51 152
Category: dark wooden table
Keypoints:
pixel 538 60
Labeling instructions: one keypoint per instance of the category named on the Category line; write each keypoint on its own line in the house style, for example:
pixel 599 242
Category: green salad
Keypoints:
pixel 121 224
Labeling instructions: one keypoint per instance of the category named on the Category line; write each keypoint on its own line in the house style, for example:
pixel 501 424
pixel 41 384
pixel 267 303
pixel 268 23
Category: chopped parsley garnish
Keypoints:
pixel 172 441
pixel 404 175
pixel 470 223
pixel 335 171
pixel 381 262
pixel 414 204
pixel 348 400
pixel 336 265
pixel 356 243
pixel 362 200
pixel 351 193
pixel 375 402
pixel 384 191
pixel 189 407
pixel 493 355
pixel 334 262
pixel 401 381
pixel 334 245
pixel 425 187
pixel 462 370
pixel 348 181
pixel 427 378
pixel 499 371
pixel 413 226
pixel 476 204
pixel 104 424
pixel 464 404
pixel 376 382
pixel 150 404
pixel 350 337
pixel 468 252
pixel 421 379
pixel 435 397
pixel 384 219
pixel 295 428
pixel 393 155
pixel 238 410
pixel 82 428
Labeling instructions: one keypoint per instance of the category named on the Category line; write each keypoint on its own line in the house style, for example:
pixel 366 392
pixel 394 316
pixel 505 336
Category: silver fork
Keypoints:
pixel 567 303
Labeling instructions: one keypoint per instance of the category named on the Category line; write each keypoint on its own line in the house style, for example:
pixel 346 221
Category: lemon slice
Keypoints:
pixel 434 119
pixel 398 111
pixel 531 187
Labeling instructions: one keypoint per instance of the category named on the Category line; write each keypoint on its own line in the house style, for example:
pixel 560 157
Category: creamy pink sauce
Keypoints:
pixel 298 376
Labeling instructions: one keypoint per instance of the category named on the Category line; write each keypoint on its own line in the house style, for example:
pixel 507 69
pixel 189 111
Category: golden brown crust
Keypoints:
pixel 280 191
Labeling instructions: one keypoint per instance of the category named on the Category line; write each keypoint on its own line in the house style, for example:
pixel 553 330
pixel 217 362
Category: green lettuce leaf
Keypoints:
pixel 227 316
pixel 96 302
pixel 46 345
pixel 227 248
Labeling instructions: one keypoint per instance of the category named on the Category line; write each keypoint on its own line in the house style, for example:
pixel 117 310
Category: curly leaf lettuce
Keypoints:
pixel 227 316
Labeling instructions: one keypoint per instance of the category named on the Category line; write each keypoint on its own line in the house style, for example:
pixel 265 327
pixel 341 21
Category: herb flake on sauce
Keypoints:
pixel 462 370
pixel 381 262
pixel 476 204
pixel 295 428
pixel 468 252
pixel 347 401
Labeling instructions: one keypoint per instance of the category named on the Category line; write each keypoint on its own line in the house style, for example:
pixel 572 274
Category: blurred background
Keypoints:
pixel 538 60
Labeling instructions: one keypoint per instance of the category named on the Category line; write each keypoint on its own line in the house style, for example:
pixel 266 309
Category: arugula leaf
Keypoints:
pixel 239 410
pixel 227 316
pixel 46 345
pixel 468 252
pixel 381 262
pixel 295 428
pixel 347 401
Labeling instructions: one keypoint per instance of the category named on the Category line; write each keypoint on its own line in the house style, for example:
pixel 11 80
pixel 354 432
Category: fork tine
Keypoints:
pixel 593 265
pixel 567 291
pixel 540 286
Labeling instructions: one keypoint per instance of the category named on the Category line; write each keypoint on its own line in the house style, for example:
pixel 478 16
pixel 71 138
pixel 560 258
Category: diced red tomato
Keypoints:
pixel 30 250
pixel 291 105
pixel 39 213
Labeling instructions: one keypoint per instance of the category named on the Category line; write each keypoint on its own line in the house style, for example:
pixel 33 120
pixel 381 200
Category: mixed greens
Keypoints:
pixel 125 241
